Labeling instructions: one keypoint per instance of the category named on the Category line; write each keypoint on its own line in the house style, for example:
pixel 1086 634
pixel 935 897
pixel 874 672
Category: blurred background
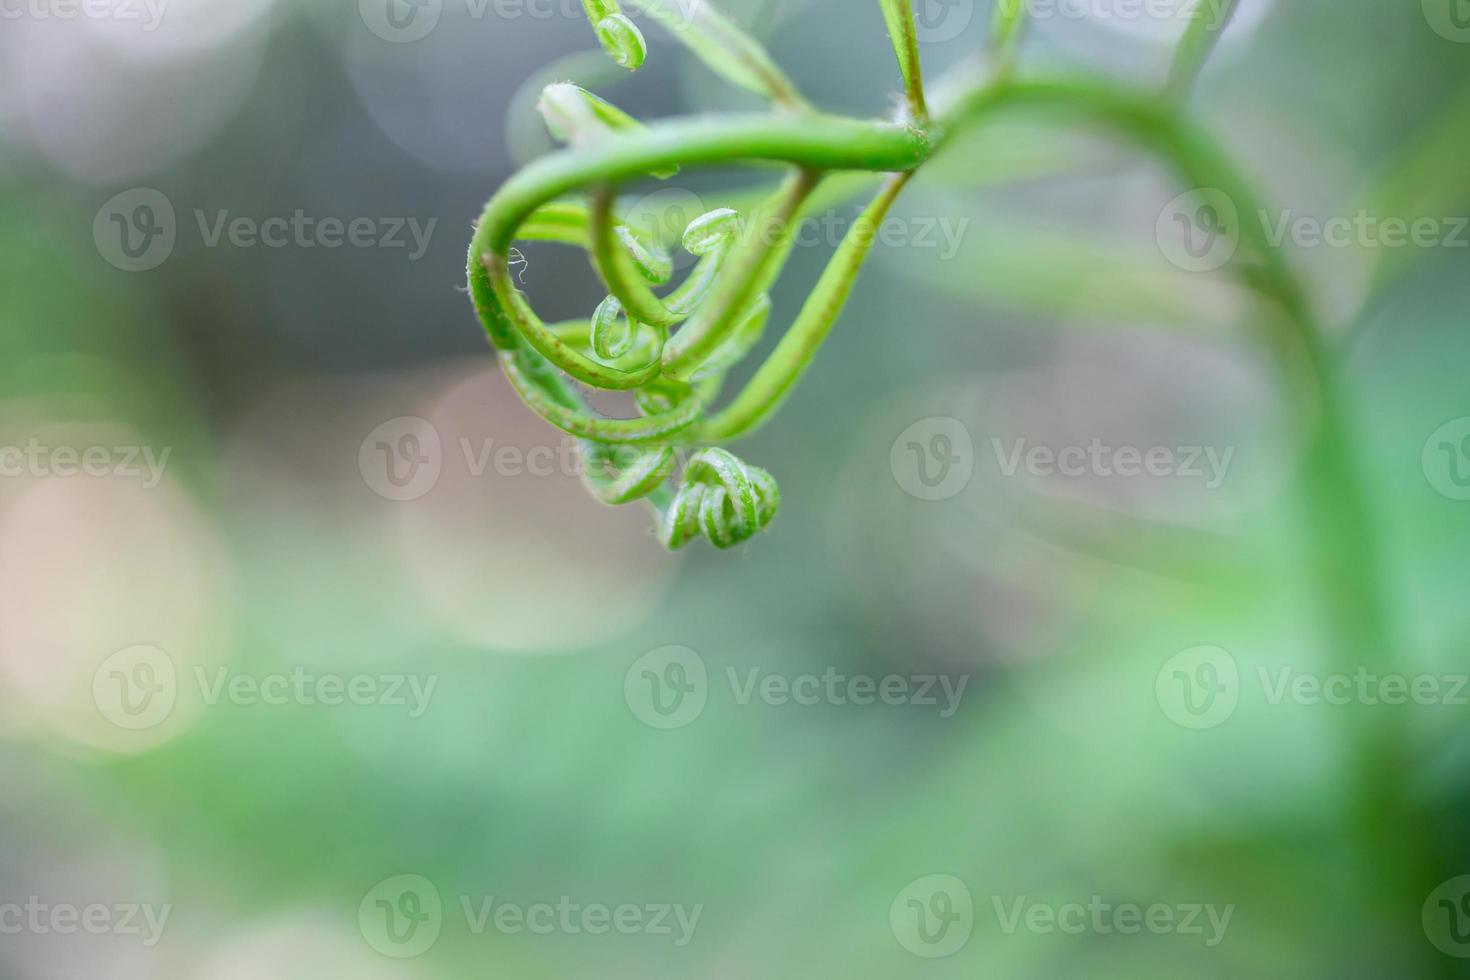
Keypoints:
pixel 317 660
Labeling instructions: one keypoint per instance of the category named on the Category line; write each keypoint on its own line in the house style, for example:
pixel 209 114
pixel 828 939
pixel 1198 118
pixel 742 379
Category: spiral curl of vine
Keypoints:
pixel 673 352
pixel 673 348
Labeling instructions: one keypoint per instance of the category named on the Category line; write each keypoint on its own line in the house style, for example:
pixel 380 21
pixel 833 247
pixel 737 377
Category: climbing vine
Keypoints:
pixel 672 346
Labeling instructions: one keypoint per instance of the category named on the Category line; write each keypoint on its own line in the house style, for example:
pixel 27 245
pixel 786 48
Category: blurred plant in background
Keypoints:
pixel 315 657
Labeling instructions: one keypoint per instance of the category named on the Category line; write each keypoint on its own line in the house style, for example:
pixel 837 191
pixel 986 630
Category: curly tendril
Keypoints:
pixel 723 499
pixel 673 346
pixel 673 349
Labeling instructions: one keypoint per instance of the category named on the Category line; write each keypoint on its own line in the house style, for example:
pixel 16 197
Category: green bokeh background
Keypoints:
pixel 1065 776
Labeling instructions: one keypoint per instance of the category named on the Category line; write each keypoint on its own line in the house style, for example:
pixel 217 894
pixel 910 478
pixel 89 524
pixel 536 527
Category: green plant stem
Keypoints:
pixel 1007 19
pixel 725 48
pixel 773 381
pixel 1387 825
pixel 755 265
pixel 615 267
pixel 899 15
pixel 817 142
pixel 1209 20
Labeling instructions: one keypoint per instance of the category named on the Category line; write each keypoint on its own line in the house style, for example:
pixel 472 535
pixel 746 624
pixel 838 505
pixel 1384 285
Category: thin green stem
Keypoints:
pixel 1206 23
pixel 1344 558
pixel 766 392
pixel 899 15
pixel 616 269
pixel 1008 18
pixel 726 48
pixel 755 265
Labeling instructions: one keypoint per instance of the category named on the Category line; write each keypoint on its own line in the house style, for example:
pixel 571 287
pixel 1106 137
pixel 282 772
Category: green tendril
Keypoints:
pixel 723 499
pixel 673 346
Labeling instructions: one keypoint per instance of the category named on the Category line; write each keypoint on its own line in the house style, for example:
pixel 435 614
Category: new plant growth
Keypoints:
pixel 672 345
pixel 672 348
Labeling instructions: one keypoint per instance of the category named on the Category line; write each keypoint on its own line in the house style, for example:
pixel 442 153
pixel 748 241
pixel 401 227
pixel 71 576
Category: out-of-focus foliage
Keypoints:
pixel 266 548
